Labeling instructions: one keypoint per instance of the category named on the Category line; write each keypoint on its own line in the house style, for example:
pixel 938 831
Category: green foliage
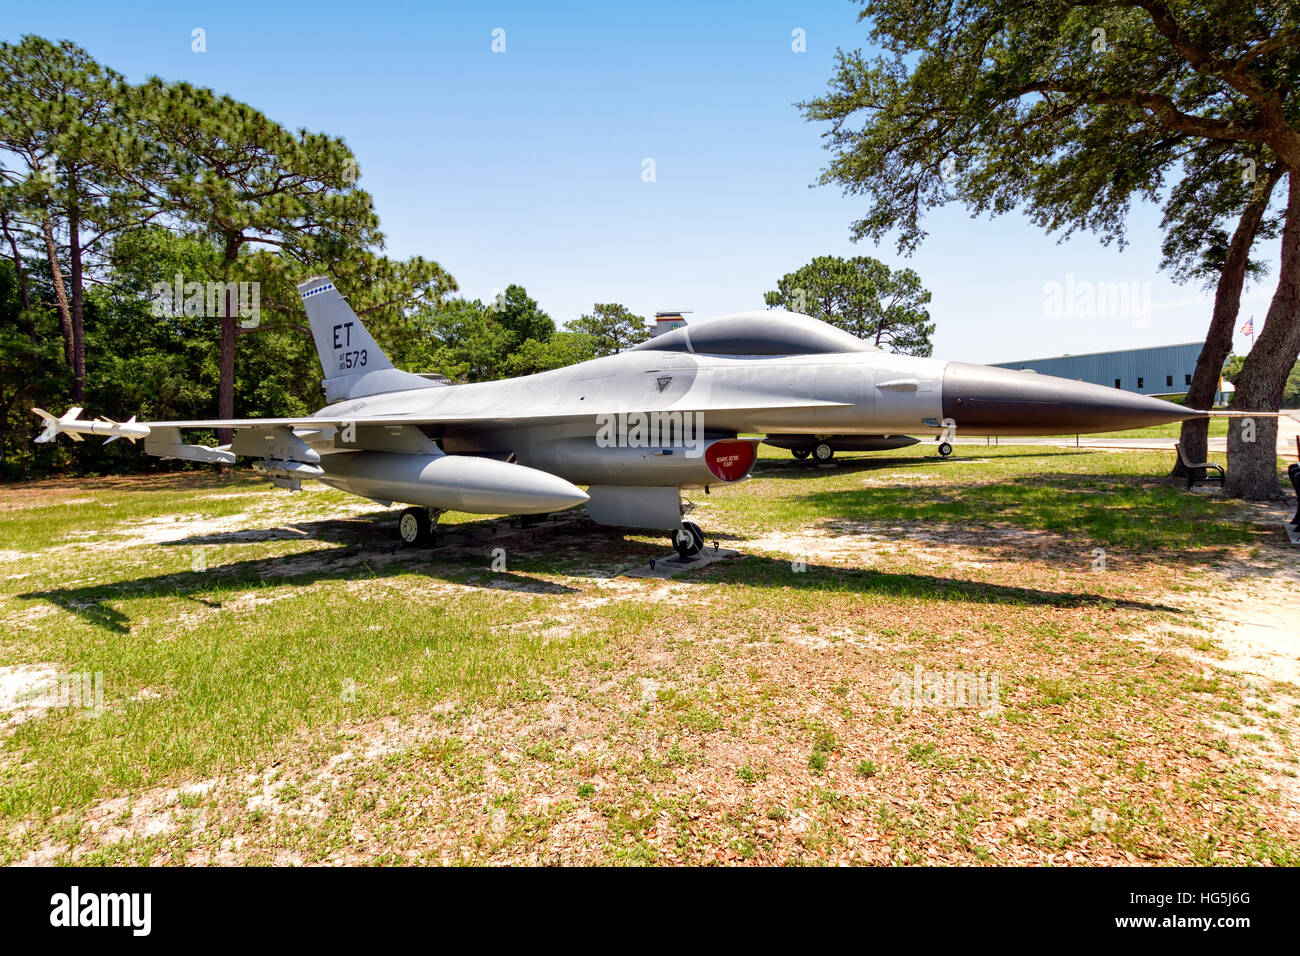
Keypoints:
pixel 612 328
pixel 862 296
pixel 512 336
pixel 230 172
pixel 1215 186
pixel 65 143
pixel 31 370
pixel 112 194
pixel 520 318
pixel 561 349
pixel 1232 368
pixel 1067 110
pixel 468 346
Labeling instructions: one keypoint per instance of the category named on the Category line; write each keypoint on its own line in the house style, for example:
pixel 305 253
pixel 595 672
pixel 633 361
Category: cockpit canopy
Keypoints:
pixel 761 332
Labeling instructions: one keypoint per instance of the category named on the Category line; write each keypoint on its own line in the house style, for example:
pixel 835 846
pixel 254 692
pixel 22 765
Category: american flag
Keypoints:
pixel 1249 327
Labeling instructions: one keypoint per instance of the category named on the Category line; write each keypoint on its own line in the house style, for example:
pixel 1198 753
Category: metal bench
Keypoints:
pixel 1202 471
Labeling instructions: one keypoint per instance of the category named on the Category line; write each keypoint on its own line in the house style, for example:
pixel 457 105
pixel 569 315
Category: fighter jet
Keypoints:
pixel 636 428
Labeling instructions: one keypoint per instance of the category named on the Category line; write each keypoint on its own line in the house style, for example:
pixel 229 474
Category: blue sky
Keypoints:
pixel 526 165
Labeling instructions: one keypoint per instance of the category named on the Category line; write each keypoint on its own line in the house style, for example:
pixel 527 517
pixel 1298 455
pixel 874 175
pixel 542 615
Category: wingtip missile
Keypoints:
pixel 72 426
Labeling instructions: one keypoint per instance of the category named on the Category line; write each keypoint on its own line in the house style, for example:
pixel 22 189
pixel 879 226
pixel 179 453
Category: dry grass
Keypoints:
pixel 750 712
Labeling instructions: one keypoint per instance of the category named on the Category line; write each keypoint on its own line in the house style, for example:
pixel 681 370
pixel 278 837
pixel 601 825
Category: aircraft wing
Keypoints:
pixel 73 426
pixel 265 435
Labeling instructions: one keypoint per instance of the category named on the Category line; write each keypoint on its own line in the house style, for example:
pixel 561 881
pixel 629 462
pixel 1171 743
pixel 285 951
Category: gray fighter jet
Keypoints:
pixel 636 428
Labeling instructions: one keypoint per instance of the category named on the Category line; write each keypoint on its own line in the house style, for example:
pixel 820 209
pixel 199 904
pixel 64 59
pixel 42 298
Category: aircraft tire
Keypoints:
pixel 689 541
pixel 945 449
pixel 800 453
pixel 823 452
pixel 414 527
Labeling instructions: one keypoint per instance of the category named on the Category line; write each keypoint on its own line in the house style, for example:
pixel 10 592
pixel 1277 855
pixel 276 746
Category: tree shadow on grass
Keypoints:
pixel 94 603
pixel 1148 522
pixel 906 585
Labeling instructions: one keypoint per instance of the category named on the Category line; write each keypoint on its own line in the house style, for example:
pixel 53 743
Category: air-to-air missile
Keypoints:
pixel 74 428
pixel 674 412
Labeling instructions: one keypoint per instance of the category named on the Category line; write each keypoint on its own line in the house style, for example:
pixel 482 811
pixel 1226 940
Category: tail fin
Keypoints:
pixel 52 423
pixel 351 359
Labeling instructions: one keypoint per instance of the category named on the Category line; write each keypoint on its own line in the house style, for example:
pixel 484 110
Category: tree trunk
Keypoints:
pixel 226 387
pixel 60 293
pixel 24 292
pixel 78 311
pixel 229 337
pixel 1252 442
pixel 1195 433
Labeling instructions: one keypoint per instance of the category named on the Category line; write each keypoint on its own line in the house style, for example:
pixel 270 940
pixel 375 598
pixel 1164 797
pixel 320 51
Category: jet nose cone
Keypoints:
pixel 1000 401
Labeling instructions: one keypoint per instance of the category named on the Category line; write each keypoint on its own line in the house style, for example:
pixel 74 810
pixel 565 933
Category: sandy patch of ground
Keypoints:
pixel 24 691
pixel 1256 622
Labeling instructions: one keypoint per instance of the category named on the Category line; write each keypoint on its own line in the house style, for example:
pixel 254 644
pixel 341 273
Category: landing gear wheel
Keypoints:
pixel 689 541
pixel 415 528
pixel 801 453
pixel 823 452
pixel 945 449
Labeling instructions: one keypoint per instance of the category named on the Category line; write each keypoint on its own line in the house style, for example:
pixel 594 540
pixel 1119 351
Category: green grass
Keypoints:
pixel 303 621
pixel 237 682
pixel 1111 499
pixel 110 514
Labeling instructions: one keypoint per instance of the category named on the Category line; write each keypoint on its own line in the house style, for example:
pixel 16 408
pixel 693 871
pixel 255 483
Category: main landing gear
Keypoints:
pixel 416 526
pixel 820 452
pixel 689 541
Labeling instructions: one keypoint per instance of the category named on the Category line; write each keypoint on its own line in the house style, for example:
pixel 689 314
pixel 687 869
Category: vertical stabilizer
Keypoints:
pixel 351 359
